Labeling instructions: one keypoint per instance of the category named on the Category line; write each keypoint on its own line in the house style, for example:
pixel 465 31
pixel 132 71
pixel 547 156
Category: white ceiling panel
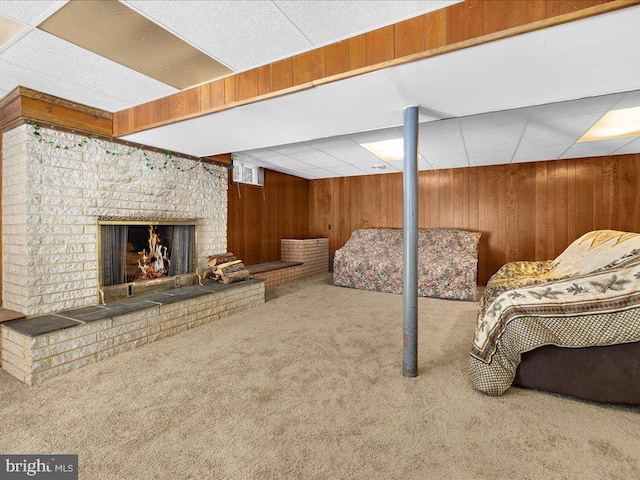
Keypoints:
pixel 490 158
pixel 632 147
pixel 548 152
pixel 318 158
pixel 348 171
pixel 599 147
pixel 576 107
pixel 448 161
pixel 44 62
pixel 354 154
pixel 557 131
pixel 628 100
pixel 29 12
pixel 292 148
pixel 555 64
pixel 316 173
pixel 323 22
pixel 323 111
pixel 496 119
pixel 239 34
pixel 399 165
pixel 442 145
pixel 504 137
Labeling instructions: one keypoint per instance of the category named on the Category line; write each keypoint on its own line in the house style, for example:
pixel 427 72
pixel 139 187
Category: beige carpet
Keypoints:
pixel 309 385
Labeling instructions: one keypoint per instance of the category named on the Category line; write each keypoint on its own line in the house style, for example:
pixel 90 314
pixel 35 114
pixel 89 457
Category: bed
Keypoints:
pixel 569 326
pixel 447 262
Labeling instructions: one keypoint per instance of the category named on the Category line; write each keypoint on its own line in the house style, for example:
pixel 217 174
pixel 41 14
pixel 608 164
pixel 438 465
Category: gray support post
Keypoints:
pixel 410 231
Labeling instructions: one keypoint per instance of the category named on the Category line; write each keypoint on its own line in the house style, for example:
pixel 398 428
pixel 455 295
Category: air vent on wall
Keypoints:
pixel 247 173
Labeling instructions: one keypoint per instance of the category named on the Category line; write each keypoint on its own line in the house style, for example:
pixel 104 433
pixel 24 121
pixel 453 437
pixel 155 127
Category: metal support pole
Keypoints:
pixel 410 231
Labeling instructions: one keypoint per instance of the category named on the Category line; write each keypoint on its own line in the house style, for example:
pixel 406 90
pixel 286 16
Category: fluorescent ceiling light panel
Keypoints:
pixel 117 32
pixel 387 150
pixel 8 29
pixel 615 124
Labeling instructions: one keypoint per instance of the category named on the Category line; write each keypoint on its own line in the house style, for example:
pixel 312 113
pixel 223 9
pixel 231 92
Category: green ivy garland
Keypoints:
pixel 168 160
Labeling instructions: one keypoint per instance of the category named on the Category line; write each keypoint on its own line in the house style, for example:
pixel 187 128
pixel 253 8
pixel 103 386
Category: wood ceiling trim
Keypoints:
pixel 457 27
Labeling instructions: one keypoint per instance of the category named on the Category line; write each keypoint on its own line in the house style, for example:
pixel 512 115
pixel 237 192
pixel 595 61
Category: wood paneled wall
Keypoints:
pixel 259 217
pixel 459 26
pixel 527 211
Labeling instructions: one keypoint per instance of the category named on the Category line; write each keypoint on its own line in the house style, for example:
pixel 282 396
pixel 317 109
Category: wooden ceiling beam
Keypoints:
pixel 460 26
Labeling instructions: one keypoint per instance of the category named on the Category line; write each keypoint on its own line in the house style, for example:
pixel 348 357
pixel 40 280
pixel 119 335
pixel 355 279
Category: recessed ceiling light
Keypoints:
pixel 113 30
pixel 387 150
pixel 615 124
pixel 8 29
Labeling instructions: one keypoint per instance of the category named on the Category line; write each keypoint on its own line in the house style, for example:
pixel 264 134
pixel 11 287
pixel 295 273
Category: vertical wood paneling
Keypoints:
pixel 264 80
pixel 507 14
pixel 282 74
pixel 380 45
pixel 308 66
pixel 337 58
pixel 246 84
pixel 259 217
pixel 358 52
pixel 464 21
pixel 528 211
pixel 229 90
pixel 435 29
pixel 560 7
pixel 409 36
pixel 217 94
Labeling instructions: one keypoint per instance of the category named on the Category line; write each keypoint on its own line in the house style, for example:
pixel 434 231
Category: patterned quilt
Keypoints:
pixel 530 304
pixel 447 262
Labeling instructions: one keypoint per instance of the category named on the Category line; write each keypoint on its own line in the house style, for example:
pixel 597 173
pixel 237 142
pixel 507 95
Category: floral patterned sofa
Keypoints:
pixel 447 262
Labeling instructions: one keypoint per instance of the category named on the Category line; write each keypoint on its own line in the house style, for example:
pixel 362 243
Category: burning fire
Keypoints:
pixel 154 263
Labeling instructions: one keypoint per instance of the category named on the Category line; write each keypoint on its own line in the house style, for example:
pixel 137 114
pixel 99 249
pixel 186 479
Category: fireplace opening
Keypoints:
pixel 146 251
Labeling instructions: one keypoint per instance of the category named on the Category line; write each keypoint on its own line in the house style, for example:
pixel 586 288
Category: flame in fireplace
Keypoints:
pixel 155 262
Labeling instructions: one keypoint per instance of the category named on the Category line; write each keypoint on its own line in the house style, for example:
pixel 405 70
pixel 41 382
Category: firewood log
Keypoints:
pixel 219 258
pixel 231 267
pixel 236 276
pixel 227 264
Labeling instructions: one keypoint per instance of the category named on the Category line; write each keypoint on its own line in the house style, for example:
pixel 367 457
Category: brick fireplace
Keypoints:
pixel 58 185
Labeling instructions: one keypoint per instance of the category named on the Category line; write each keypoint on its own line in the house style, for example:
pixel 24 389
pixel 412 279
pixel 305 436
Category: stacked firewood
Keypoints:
pixel 226 268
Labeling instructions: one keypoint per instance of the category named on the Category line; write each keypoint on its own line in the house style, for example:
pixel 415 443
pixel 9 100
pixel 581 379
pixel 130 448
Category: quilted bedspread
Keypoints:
pixel 447 262
pixel 592 300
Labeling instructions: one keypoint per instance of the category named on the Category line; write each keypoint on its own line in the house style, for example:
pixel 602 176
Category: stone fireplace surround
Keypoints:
pixel 55 187
pixel 52 198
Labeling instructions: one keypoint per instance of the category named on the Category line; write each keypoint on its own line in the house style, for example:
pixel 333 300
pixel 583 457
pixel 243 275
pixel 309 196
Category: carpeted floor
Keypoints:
pixel 309 385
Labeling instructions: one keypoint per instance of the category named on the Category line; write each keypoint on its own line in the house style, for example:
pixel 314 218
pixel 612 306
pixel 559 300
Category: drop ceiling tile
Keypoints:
pixel 504 137
pixel 449 126
pixel 550 152
pixel 496 119
pixel 557 131
pixel 46 63
pixel 28 12
pixel 597 148
pixel 353 154
pixel 292 148
pixel 575 107
pixel 331 142
pixel 633 147
pixel 399 165
pixel 441 145
pixel 388 168
pixel 377 135
pixel 285 162
pixel 325 22
pixel 490 158
pixel 629 100
pixel 9 28
pixel 318 159
pixel 239 34
pixel 448 161
pixel 316 173
pixel 348 171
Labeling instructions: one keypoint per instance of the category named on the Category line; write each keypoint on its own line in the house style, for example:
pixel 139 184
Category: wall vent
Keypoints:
pixel 247 173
